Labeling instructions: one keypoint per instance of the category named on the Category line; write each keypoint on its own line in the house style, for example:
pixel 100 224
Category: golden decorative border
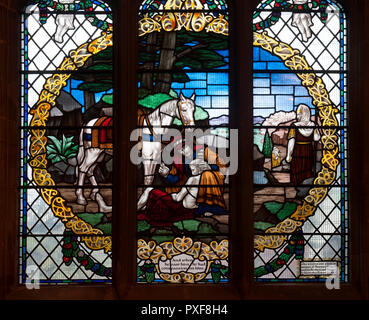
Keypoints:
pixel 184 18
pixel 76 59
pixel 190 21
pixel 293 59
pixel 168 22
pixel 167 250
pixel 92 237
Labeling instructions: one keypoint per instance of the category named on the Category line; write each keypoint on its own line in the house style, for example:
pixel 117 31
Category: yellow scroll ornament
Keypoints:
pixel 293 59
pixel 93 238
pixel 165 251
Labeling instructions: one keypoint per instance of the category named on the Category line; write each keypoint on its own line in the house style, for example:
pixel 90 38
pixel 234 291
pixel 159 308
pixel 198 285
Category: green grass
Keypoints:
pixel 287 210
pixel 142 226
pixel 160 239
pixel 260 225
pixel 273 206
pixel 189 225
pixel 281 210
pixel 206 228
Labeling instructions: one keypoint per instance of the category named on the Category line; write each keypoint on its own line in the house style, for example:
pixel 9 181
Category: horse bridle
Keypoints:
pixel 179 109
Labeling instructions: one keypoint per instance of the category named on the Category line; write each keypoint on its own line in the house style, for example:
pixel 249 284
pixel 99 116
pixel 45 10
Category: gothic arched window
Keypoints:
pixel 183 196
pixel 66 131
pixel 294 214
pixel 300 141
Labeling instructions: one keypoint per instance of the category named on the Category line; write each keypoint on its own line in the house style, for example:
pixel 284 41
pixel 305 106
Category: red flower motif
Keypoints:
pixel 84 262
pixel 66 259
pixel 280 262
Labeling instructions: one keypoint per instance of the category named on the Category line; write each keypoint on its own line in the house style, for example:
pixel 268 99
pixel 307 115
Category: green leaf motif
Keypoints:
pixel 150 276
pixel 61 150
pixel 224 271
pixel 216 276
pixel 57 143
pixel 51 149
pixel 140 273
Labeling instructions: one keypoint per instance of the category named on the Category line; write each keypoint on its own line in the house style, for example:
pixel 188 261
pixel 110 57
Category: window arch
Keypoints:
pixel 67 109
pixel 300 133
pixel 183 207
pixel 242 285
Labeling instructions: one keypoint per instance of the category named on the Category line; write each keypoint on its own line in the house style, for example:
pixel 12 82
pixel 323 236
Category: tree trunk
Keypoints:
pixel 167 59
pixel 89 96
pixel 148 77
pixel 89 99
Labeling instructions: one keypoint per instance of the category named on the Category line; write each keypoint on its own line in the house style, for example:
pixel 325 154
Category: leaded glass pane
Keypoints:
pixel 183 209
pixel 66 148
pixel 300 141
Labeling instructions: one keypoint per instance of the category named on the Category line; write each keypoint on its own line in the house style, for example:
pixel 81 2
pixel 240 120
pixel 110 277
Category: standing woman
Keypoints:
pixel 300 150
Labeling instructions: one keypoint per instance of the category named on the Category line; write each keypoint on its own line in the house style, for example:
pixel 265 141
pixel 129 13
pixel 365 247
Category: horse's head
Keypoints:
pixel 186 110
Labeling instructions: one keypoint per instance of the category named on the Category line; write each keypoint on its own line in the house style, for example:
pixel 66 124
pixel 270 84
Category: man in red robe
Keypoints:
pixel 161 208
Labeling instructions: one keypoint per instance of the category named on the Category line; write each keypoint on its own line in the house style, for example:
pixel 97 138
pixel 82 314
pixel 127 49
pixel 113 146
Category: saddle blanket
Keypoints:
pixel 102 133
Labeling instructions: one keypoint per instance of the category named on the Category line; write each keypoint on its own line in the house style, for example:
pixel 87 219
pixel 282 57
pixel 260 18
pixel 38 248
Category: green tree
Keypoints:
pixel 165 57
pixel 96 75
pixel 267 146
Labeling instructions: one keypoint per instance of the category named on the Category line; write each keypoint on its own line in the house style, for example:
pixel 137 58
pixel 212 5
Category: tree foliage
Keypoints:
pixel 267 146
pixel 189 51
pixel 97 72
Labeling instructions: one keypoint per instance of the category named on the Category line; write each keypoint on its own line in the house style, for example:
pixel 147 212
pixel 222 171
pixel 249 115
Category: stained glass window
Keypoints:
pixel 183 211
pixel 300 141
pixel 66 152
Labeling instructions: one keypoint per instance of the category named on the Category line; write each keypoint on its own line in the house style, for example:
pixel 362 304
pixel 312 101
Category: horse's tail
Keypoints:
pixel 80 155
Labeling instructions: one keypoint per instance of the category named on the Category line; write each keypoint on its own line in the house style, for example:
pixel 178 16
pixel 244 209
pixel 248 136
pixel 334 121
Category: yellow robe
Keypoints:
pixel 212 195
pixel 211 187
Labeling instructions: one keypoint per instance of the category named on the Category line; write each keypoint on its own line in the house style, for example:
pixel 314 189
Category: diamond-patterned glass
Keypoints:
pixel 67 108
pixel 300 141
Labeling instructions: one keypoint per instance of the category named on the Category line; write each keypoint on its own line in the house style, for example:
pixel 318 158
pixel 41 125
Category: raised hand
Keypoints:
pixel 164 170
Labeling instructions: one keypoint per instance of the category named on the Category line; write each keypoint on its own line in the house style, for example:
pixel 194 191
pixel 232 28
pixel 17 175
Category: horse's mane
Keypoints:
pixel 165 107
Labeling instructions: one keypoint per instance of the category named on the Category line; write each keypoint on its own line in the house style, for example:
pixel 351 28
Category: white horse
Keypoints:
pixel 154 124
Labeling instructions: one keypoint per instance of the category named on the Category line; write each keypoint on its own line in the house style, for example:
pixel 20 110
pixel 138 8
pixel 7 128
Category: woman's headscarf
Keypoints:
pixel 305 121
